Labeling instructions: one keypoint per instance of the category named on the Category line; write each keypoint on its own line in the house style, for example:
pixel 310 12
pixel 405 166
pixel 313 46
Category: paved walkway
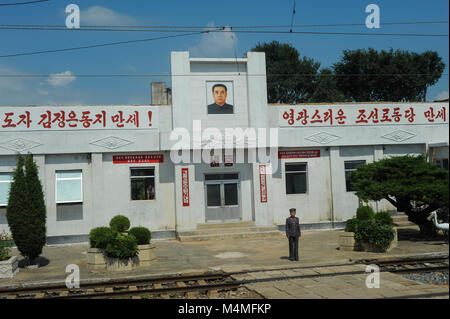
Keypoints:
pixel 316 248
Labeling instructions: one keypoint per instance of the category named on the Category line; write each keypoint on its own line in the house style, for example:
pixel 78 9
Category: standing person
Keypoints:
pixel 293 233
pixel 150 192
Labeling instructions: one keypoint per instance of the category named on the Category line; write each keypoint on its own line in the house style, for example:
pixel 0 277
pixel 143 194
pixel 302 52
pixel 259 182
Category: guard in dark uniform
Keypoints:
pixel 293 232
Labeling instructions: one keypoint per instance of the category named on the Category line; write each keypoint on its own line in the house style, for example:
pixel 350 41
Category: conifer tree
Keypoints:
pixel 26 212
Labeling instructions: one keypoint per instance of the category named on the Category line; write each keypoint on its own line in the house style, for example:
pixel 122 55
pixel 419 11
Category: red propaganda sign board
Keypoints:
pixel 185 186
pixel 263 183
pixel 146 158
pixel 77 118
pixel 299 154
pixel 364 114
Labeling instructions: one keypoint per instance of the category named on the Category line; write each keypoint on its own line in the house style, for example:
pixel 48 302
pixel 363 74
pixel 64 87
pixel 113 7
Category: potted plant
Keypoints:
pixel 9 265
pixel 369 231
pixel 146 250
pixel 99 238
pixel 347 238
pixel 121 252
pixel 115 248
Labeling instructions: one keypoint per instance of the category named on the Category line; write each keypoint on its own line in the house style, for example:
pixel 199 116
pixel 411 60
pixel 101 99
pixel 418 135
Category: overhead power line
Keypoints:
pixel 99 45
pixel 222 27
pixel 230 30
pixel 21 3
pixel 161 29
pixel 191 74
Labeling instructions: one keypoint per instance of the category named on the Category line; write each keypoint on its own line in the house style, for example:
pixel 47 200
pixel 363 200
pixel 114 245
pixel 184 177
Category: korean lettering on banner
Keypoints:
pixel 263 183
pixel 144 158
pixel 360 115
pixel 299 154
pixel 76 118
pixel 185 186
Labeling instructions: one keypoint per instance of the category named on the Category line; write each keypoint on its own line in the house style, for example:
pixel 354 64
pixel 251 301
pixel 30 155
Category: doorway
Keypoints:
pixel 222 192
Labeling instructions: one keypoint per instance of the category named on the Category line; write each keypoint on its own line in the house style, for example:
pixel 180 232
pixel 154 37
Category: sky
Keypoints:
pixel 153 57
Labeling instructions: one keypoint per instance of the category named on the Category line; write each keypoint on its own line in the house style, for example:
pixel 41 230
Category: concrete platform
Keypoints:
pixel 316 248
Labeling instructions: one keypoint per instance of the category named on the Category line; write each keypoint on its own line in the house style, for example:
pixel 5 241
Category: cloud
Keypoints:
pixel 62 79
pixel 10 83
pixel 216 44
pixel 33 91
pixel 98 15
pixel 442 96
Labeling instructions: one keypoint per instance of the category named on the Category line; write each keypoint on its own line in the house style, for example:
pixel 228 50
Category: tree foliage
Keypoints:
pixel 361 75
pixel 410 183
pixel 396 76
pixel 325 88
pixel 290 79
pixel 26 211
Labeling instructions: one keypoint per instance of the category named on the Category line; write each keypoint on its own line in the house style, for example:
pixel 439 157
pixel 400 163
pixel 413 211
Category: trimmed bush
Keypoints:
pixel 365 213
pixel 142 235
pixel 122 246
pixel 351 225
pixel 383 218
pixel 99 237
pixel 375 234
pixel 383 236
pixel 120 223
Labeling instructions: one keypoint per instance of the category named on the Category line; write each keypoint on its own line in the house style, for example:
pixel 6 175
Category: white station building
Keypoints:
pixel 99 161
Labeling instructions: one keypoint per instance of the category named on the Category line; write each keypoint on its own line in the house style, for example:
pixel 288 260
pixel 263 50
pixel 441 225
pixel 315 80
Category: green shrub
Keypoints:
pixel 6 242
pixel 383 236
pixel 351 225
pixel 122 246
pixel 383 218
pixel 142 235
pixel 374 233
pixel 365 213
pixel 120 223
pixel 100 237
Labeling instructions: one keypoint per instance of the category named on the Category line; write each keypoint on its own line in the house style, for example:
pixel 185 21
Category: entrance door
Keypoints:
pixel 222 197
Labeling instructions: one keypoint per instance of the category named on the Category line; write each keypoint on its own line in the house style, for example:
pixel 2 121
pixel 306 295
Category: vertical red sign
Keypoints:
pixel 185 186
pixel 263 183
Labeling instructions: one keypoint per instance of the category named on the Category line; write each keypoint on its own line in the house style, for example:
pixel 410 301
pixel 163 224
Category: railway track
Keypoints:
pixel 207 284
pixel 415 265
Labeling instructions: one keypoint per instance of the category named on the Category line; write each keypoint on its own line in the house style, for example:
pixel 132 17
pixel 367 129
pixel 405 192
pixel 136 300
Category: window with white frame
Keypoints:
pixel 5 183
pixel 69 186
pixel 351 166
pixel 296 178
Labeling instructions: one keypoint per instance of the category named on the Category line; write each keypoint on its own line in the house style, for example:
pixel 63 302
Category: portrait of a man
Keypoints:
pixel 219 93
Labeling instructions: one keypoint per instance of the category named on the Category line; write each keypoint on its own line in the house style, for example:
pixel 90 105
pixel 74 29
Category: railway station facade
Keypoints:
pixel 99 161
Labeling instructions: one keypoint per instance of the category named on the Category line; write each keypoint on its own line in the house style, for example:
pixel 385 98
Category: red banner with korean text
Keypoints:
pixel 363 114
pixel 33 118
pixel 299 154
pixel 185 186
pixel 146 158
pixel 262 183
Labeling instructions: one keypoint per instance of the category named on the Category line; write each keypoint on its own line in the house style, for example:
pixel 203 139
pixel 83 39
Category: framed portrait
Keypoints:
pixel 220 97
